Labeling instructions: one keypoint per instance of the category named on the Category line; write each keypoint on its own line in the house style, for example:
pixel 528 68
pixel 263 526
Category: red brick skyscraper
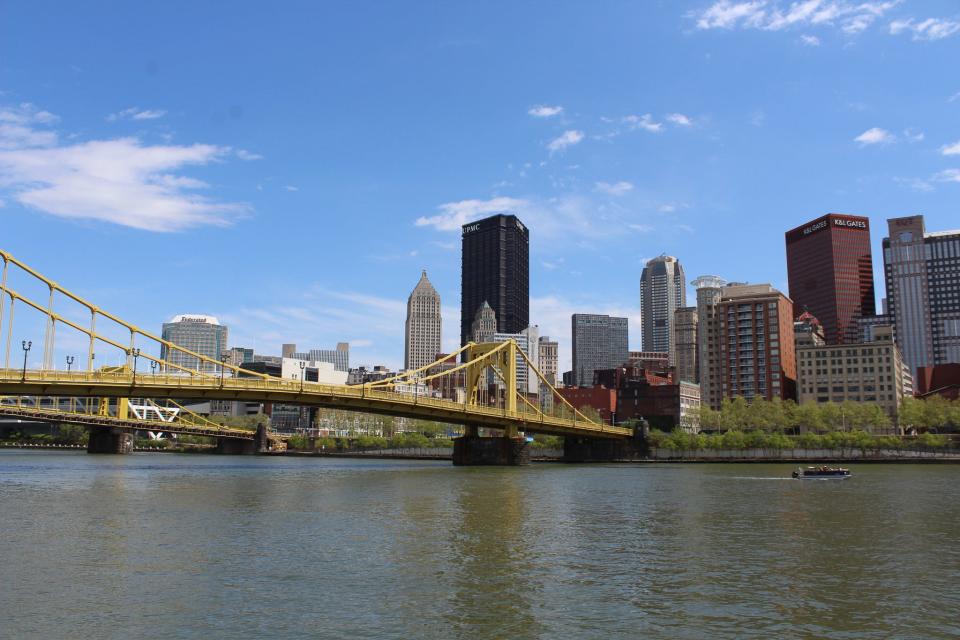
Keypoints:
pixel 830 273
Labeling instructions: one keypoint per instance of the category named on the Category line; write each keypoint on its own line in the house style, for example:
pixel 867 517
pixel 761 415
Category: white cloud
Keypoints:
pixel 954 97
pixel 679 119
pixel 948 175
pixel 121 180
pixel 951 149
pixel 810 41
pixel 136 113
pixel 563 220
pixel 644 122
pixel 772 15
pixel 290 187
pixel 642 228
pixel 615 189
pixel 243 154
pixel 929 29
pixel 567 139
pixel 456 214
pixel 544 111
pixel 17 127
pixel 875 135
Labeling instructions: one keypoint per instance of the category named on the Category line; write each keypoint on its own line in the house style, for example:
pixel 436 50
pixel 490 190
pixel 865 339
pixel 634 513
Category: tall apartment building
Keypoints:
pixel 203 335
pixel 422 330
pixel 663 290
pixel 747 342
pixel 495 269
pixel 685 344
pixel 830 273
pixel 871 371
pixel 709 294
pixel 922 272
pixel 599 342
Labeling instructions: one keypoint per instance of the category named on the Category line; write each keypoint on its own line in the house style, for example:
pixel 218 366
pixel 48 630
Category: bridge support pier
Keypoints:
pixel 581 449
pixel 470 450
pixel 110 440
pixel 235 447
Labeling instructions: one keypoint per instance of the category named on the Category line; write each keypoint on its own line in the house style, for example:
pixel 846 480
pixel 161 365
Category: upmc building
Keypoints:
pixel 830 273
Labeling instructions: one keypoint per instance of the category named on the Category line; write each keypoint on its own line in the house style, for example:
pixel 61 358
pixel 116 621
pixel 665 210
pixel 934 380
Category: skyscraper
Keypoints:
pixel 484 324
pixel 830 273
pixel 203 335
pixel 495 269
pixel 663 290
pixel 549 361
pixel 685 344
pixel 922 272
pixel 423 325
pixel 599 342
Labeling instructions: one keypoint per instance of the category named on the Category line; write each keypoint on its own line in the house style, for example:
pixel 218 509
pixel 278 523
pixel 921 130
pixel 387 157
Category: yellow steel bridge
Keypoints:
pixel 103 335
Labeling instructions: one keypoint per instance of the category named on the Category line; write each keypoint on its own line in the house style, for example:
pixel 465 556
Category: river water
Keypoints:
pixel 163 545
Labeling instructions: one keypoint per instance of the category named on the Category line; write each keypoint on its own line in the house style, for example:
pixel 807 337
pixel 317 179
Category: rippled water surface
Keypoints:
pixel 160 545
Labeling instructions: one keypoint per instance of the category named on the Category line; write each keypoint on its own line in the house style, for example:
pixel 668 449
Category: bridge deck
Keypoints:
pixel 352 397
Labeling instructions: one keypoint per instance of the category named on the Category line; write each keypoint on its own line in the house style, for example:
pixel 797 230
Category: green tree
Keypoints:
pixel 72 434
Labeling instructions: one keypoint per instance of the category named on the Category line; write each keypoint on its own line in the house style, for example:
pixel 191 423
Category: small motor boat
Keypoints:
pixel 821 472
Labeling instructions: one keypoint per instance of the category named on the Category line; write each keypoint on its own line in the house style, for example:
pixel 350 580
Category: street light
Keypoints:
pixel 69 363
pixel 136 354
pixel 153 367
pixel 223 362
pixel 302 367
pixel 26 344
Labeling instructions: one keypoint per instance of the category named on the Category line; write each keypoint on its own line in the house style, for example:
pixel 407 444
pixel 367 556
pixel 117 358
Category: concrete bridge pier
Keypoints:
pixel 235 447
pixel 110 440
pixel 473 450
pixel 584 449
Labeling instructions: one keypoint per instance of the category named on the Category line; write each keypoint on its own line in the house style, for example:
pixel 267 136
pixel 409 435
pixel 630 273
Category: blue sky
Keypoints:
pixel 291 166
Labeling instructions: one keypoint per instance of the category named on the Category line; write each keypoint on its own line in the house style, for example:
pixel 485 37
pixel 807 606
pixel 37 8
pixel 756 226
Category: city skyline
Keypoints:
pixel 620 170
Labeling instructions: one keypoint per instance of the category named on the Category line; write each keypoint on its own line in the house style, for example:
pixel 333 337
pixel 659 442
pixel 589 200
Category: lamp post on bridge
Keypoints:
pixel 136 354
pixel 302 367
pixel 69 363
pixel 26 345
pixel 223 362
pixel 153 367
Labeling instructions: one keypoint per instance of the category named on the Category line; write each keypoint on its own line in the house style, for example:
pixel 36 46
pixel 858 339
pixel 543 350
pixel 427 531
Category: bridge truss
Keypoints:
pixel 70 322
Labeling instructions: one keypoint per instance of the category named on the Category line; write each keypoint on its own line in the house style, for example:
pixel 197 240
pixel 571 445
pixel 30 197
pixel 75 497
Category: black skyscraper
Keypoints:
pixel 495 269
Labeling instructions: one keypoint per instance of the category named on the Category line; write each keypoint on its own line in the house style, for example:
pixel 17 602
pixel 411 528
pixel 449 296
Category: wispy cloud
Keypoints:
pixel 679 119
pixel 929 29
pixel 644 122
pixel 948 175
pixel 875 135
pixel 544 111
pixel 614 189
pixel 243 154
pixel 810 41
pixel 951 149
pixel 136 113
pixel 456 214
pixel 566 139
pixel 121 180
pixel 290 187
pixel 771 15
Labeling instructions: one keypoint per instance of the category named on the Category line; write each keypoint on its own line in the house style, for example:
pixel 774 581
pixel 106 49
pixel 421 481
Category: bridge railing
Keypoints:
pixel 184 386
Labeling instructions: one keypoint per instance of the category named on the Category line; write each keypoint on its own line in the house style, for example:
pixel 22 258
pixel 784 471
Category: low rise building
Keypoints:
pixel 859 372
